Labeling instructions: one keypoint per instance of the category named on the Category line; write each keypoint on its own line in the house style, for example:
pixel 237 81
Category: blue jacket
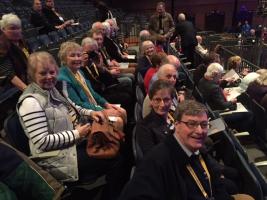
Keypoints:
pixel 77 94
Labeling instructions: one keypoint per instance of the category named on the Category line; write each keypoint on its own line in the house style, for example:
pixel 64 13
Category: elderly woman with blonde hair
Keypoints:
pixel 79 89
pixel 52 125
pixel 234 62
pixel 258 88
pixel 144 61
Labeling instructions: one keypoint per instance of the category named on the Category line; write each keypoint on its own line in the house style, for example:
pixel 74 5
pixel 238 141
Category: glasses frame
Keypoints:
pixel 196 124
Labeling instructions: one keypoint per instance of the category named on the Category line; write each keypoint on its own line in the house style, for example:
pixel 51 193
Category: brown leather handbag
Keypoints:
pixel 104 140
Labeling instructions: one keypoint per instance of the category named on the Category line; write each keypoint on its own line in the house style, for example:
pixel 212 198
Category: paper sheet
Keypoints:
pixel 124 65
pixel 131 57
pixel 231 74
pixel 216 126
pixel 233 93
pixel 240 108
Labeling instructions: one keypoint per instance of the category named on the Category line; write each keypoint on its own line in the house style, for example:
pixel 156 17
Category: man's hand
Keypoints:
pixel 114 70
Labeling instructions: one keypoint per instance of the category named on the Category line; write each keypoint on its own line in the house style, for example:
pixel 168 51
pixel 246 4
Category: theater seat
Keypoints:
pixel 15 133
pixel 137 151
pixel 137 112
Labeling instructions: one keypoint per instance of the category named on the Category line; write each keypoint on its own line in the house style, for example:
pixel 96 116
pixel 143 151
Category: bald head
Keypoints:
pixel 174 61
pixel 98 26
pixel 167 72
pixel 181 17
pixel 144 35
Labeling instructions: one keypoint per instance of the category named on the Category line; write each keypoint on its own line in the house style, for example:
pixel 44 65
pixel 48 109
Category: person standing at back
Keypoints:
pixel 161 25
pixel 187 33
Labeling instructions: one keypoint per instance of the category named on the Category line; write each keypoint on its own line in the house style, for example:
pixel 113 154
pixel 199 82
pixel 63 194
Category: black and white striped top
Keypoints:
pixel 35 121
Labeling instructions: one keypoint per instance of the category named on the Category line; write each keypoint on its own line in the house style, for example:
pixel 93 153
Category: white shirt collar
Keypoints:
pixel 186 150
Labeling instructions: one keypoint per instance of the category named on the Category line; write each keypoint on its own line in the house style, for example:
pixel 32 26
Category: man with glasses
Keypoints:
pixel 176 168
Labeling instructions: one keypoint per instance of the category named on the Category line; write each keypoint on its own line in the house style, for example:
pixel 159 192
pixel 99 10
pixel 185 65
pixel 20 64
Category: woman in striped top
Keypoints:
pixel 51 123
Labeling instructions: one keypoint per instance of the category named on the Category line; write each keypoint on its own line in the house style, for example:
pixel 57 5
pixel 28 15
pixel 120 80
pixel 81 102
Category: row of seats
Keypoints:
pixel 55 38
pixel 240 152
pixel 229 148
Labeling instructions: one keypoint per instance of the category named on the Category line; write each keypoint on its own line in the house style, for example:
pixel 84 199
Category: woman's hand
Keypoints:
pixel 111 106
pixel 97 116
pixel 83 130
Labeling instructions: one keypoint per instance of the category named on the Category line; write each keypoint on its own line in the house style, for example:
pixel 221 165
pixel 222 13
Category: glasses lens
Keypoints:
pixel 194 124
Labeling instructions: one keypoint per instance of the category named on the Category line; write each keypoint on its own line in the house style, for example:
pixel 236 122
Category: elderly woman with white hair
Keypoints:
pixel 13 53
pixel 144 62
pixel 209 85
pixel 113 48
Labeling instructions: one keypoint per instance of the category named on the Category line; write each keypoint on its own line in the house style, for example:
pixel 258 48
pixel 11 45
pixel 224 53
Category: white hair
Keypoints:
pixel 89 41
pixel 213 70
pixel 9 19
pixel 145 45
pixel 106 28
pixel 162 70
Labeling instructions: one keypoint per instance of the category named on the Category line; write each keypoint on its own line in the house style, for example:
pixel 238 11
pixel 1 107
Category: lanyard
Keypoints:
pixel 90 72
pixel 196 179
pixel 170 117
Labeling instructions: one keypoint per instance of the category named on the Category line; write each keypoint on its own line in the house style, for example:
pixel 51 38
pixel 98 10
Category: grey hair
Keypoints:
pixel 144 35
pixel 213 70
pixel 107 28
pixel 89 41
pixel 9 19
pixel 65 48
pixel 161 72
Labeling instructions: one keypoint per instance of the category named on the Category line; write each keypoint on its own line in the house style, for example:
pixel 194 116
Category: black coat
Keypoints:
pixel 187 32
pixel 213 94
pixel 52 18
pixel 113 50
pixel 39 20
pixel 161 175
pixel 143 65
pixel 152 130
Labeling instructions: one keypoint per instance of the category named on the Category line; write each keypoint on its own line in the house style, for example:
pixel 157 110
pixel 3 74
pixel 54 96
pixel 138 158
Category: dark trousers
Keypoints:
pixel 240 121
pixel 189 52
pixel 91 168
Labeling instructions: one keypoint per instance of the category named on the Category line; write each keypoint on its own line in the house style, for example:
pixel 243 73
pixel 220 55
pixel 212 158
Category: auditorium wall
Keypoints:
pixel 196 8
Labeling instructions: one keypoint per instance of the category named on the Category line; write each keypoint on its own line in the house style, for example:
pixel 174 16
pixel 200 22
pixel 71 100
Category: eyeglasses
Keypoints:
pixel 195 124
pixel 159 100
